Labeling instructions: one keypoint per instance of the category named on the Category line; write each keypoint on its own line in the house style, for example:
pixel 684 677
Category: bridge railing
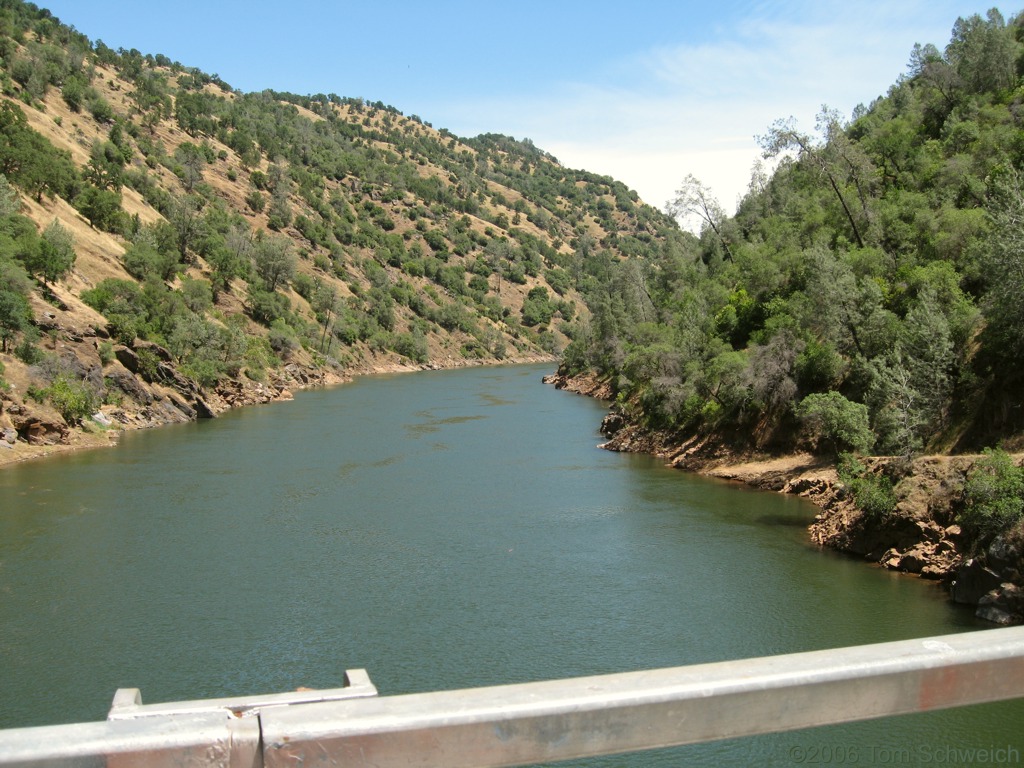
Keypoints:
pixel 538 722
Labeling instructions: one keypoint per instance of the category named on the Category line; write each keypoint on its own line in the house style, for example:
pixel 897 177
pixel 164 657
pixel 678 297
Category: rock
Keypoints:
pixel 916 558
pixel 101 418
pixel 612 424
pixel 120 416
pixel 891 559
pixel 182 407
pixel 936 572
pixel 9 435
pixel 38 427
pixel 203 409
pixel 169 375
pixel 929 530
pixel 1003 605
pixel 123 380
pixel 973 581
pixel 1002 555
pixel 127 358
pixel 161 354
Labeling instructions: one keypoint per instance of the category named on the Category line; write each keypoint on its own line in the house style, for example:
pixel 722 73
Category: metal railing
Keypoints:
pixel 537 722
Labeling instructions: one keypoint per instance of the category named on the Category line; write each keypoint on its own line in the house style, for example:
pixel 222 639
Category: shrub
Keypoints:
pixel 993 495
pixel 28 352
pixel 73 399
pixel 836 420
pixel 106 352
pixel 873 494
pixel 411 345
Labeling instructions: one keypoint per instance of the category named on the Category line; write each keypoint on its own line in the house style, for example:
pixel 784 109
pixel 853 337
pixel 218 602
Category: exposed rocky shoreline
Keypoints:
pixel 920 538
pixel 150 392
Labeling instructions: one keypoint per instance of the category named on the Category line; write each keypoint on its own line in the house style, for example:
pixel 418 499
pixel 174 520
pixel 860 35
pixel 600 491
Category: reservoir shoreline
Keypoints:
pixel 97 435
pixel 920 538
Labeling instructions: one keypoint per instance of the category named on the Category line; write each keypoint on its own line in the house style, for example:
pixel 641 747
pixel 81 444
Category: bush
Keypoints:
pixel 106 352
pixel 28 352
pixel 874 495
pixel 74 400
pixel 832 418
pixel 993 495
pixel 267 306
pixel 411 345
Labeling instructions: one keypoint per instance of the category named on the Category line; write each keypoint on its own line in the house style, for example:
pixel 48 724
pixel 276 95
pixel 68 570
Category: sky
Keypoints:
pixel 646 92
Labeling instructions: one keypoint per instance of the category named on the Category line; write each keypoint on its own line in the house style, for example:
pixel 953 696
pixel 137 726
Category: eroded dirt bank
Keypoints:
pixel 921 537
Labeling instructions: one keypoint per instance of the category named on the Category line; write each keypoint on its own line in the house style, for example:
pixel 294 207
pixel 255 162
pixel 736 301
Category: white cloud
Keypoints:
pixel 696 107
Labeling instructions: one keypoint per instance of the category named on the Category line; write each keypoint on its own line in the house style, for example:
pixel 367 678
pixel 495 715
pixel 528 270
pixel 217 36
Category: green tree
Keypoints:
pixel 694 199
pixel 191 164
pixel 185 215
pixel 983 52
pixel 29 160
pixel 1002 263
pixel 15 313
pixel 56 253
pixel 101 207
pixel 825 156
pixel 142 259
pixel 832 418
pixel 74 399
pixel 273 261
pixel 106 166
pixel 537 309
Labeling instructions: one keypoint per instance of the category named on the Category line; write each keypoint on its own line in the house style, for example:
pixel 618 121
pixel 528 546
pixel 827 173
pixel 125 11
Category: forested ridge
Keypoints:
pixel 171 246
pixel 867 294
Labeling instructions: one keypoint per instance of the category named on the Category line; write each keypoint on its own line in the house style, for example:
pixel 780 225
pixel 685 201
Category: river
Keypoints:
pixel 442 530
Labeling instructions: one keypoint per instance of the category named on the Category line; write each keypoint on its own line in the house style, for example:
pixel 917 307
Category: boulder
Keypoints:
pixel 128 359
pixel 102 419
pixel 1003 555
pixel 1003 605
pixel 891 559
pixel 917 557
pixel 182 407
pixel 203 409
pixel 612 424
pixel 973 581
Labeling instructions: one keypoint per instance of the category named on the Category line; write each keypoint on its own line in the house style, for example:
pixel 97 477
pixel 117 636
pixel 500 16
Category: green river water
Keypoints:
pixel 442 530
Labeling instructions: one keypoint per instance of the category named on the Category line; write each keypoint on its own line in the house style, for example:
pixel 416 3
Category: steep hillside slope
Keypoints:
pixel 171 247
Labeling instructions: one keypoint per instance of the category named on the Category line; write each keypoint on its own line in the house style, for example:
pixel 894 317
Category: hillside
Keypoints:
pixel 171 247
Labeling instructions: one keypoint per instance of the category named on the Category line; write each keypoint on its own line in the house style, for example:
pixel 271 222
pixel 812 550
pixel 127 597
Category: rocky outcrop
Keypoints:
pixel 121 379
pixel 921 537
pixel 37 427
pixel 584 384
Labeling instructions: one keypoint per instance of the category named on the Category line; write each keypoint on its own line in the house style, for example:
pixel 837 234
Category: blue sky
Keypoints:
pixel 646 92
